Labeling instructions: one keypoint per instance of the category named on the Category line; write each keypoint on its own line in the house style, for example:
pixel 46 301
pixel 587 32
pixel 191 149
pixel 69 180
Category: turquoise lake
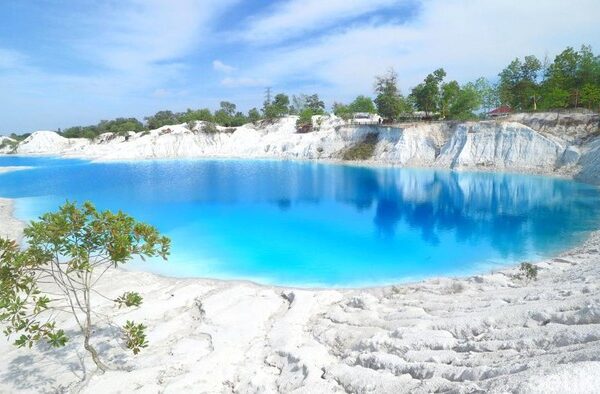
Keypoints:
pixel 309 224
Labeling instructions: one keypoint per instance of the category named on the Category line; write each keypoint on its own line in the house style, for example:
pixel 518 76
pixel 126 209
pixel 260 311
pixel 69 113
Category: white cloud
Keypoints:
pixel 135 45
pixel 469 39
pixel 222 67
pixel 131 49
pixel 294 17
pixel 138 32
pixel 138 54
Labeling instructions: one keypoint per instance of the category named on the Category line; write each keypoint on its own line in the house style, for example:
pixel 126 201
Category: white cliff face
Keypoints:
pixel 501 146
pixel 49 142
pixel 571 127
pixel 590 162
pixel 491 145
pixel 415 145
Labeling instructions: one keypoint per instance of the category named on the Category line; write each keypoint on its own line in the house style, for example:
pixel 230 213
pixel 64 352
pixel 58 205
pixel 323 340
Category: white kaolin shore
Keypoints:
pixel 491 332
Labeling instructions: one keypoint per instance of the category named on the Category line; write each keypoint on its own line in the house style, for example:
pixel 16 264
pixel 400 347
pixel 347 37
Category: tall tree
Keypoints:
pixel 590 96
pixel 488 94
pixel 449 95
pixel 315 105
pixel 427 94
pixel 363 104
pixel 562 77
pixel 202 114
pixel 278 107
pixel 253 115
pixel 161 118
pixel 341 110
pixel 226 115
pixel 466 103
pixel 519 86
pixel 311 102
pixel 555 97
pixel 389 100
pixel 459 102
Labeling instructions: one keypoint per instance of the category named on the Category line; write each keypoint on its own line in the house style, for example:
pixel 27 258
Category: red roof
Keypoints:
pixel 503 109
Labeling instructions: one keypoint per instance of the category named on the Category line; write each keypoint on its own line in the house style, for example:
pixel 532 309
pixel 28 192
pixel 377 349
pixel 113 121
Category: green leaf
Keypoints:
pixel 129 298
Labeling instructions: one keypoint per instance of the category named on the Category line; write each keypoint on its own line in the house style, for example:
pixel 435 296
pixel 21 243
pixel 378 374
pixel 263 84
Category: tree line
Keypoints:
pixel 227 115
pixel 571 80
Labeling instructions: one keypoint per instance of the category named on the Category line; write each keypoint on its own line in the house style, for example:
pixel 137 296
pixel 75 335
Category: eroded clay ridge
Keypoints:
pixel 541 143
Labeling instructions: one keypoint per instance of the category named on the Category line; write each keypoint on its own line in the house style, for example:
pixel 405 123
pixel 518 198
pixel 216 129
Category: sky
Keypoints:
pixel 75 62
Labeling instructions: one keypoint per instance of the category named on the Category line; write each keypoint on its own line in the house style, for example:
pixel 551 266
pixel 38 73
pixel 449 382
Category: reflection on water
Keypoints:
pixel 290 222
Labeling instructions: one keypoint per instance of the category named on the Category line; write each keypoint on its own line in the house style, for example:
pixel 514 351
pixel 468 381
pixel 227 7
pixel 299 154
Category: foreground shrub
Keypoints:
pixel 68 253
pixel 209 128
pixel 304 122
pixel 527 272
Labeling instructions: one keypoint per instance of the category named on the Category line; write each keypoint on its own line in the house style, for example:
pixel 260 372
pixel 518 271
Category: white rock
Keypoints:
pixel 491 145
pixel 50 143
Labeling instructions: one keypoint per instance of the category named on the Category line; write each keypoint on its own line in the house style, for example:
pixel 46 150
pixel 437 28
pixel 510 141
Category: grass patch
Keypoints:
pixel 209 128
pixel 362 150
pixel 527 272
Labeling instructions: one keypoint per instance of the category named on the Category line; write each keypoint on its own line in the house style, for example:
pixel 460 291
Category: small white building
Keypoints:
pixel 366 118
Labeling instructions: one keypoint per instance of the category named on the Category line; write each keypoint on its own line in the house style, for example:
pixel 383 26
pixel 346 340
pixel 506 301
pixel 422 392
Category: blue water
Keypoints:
pixel 307 224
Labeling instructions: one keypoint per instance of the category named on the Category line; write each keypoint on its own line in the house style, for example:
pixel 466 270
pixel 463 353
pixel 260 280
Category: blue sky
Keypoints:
pixel 72 62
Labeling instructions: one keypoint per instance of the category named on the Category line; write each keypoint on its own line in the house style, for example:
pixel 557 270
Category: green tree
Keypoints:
pixel 238 119
pixel 202 114
pixel 70 249
pixel 19 137
pixel 278 107
pixel 509 78
pixel 518 85
pixel 341 110
pixel 226 115
pixel 120 126
pixel 570 72
pixel 427 94
pixel 228 108
pixel 304 101
pixel 561 76
pixel 160 119
pixel 307 107
pixel 529 86
pixel 588 67
pixel 389 100
pixel 590 96
pixel 449 95
pixel 459 102
pixel 466 103
pixel 363 104
pixel 89 132
pixel 304 122
pixel 254 115
pixel 555 98
pixel 315 105
pixel 488 94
